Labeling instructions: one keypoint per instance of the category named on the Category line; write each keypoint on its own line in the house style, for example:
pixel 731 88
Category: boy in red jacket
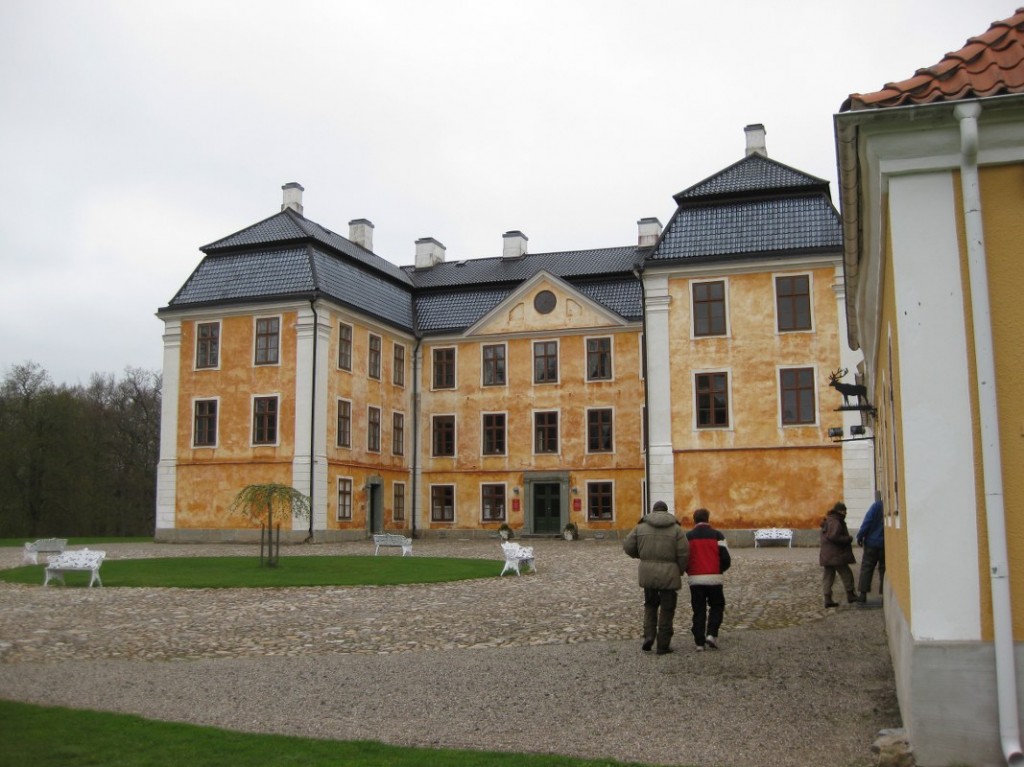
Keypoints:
pixel 709 558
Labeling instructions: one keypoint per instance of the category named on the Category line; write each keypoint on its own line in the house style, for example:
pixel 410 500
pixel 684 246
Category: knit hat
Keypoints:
pixel 659 506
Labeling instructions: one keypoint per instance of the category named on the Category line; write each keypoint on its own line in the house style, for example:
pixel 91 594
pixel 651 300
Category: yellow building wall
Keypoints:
pixel 1002 190
pixel 757 472
pixel 571 396
pixel 358 462
pixel 203 496
pixel 889 443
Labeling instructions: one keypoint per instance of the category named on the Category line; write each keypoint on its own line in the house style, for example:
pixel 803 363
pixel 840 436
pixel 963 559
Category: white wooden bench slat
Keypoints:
pixel 773 534
pixel 43 546
pixel 80 559
pixel 516 555
pixel 392 539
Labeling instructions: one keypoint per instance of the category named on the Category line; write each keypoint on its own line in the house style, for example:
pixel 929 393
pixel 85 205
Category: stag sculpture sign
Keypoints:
pixel 847 390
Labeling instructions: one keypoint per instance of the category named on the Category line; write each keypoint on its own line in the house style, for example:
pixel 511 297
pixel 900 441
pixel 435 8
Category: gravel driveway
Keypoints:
pixel 545 663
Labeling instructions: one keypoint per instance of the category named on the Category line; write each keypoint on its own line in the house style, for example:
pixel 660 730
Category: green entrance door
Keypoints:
pixel 547 512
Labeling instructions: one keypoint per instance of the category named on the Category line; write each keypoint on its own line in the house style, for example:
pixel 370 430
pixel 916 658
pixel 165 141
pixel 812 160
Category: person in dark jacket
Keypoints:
pixel 836 554
pixel 871 536
pixel 660 545
pixel 709 559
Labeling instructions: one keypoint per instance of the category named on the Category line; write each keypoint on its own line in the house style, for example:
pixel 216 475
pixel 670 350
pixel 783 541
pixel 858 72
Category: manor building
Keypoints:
pixel 527 389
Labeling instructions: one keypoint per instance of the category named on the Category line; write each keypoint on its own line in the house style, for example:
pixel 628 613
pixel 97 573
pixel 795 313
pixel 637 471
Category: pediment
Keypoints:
pixel 544 304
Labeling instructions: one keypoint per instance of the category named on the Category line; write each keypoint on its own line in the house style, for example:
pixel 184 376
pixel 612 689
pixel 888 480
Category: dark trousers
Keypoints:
pixel 659 612
pixel 708 604
pixel 828 577
pixel 872 557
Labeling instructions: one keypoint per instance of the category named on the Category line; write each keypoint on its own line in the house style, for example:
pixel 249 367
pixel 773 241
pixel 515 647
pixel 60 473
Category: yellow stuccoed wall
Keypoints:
pixel 357 462
pixel 888 442
pixel 570 325
pixel 1002 190
pixel 757 473
pixel 203 496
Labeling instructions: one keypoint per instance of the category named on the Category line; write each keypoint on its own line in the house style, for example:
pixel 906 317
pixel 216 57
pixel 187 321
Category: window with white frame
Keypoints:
pixel 442 503
pixel 264 420
pixel 599 359
pixel 797 395
pixel 268 340
pixel 204 428
pixel 712 400
pixel 345 346
pixel 398 502
pixel 344 423
pixel 344 499
pixel 492 502
pixel 207 345
pixel 709 316
pixel 373 429
pixel 600 501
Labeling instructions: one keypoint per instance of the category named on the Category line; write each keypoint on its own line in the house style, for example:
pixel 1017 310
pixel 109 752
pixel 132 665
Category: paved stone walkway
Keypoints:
pixel 585 591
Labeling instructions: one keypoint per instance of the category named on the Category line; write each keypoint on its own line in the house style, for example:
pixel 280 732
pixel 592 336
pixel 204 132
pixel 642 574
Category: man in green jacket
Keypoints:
pixel 659 542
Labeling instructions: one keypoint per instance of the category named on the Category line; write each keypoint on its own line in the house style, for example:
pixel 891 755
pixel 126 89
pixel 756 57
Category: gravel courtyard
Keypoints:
pixel 546 663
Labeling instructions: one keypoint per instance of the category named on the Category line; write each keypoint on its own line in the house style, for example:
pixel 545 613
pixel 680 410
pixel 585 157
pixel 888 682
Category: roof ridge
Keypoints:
pixel 733 179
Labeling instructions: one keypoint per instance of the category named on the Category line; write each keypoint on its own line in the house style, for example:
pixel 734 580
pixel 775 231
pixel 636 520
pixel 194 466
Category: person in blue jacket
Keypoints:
pixel 872 537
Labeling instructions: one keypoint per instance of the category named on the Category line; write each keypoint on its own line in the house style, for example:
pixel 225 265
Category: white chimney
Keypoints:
pixel 755 140
pixel 360 231
pixel 292 197
pixel 514 244
pixel 649 230
pixel 429 252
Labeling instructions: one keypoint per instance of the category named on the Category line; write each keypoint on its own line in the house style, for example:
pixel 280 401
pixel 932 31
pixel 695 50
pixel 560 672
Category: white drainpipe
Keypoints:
pixel 1006 674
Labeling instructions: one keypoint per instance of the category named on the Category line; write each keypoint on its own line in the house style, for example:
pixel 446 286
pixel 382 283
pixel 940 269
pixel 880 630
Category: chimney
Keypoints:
pixel 649 230
pixel 755 140
pixel 292 197
pixel 429 252
pixel 360 231
pixel 514 245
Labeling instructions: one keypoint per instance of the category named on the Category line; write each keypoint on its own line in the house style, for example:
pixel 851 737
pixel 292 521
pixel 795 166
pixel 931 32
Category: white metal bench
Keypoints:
pixel 392 539
pixel 773 534
pixel 516 555
pixel 43 546
pixel 81 559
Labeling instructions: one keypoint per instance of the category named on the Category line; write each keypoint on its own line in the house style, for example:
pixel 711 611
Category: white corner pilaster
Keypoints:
pixel 167 469
pixel 309 464
pixel 661 466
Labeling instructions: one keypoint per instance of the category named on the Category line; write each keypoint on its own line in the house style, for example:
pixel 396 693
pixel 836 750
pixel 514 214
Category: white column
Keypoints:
pixel 167 469
pixel 659 392
pixel 310 416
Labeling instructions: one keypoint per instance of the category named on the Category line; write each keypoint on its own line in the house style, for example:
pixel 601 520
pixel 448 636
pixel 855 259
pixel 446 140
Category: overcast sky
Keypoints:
pixel 132 133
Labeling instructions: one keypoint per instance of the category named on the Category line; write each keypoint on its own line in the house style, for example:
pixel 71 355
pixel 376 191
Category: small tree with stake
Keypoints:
pixel 259 502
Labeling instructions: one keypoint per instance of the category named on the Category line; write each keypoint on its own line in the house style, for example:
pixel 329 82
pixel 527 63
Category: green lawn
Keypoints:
pixel 245 572
pixel 59 737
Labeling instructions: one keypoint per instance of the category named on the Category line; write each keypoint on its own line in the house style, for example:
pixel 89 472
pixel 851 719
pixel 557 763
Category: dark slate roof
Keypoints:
pixel 454 310
pixel 564 264
pixel 294 272
pixel 753 174
pixel 287 256
pixel 755 207
pixel 289 226
pixel 242 276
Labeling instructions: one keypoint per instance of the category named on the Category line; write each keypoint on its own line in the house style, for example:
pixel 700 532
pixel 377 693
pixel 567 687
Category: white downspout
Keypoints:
pixel 995 515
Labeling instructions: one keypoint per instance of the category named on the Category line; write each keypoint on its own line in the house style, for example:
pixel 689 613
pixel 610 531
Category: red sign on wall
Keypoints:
pixel 577 504
pixel 515 504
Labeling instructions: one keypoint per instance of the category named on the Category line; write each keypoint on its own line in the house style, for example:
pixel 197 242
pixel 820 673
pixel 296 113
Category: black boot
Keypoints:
pixel 830 603
pixel 851 597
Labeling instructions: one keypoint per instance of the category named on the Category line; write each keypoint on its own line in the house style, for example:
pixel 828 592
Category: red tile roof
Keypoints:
pixel 991 64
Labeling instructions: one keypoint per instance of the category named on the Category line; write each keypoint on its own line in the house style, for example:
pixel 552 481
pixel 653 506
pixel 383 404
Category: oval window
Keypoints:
pixel 544 302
